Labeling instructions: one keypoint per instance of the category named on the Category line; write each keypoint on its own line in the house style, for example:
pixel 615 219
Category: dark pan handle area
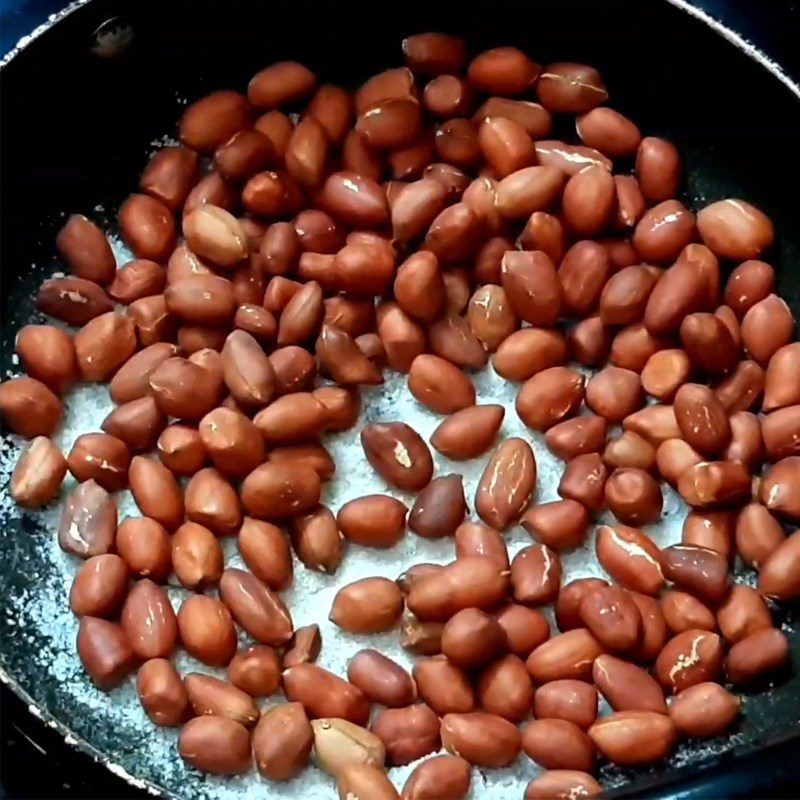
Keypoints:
pixel 80 108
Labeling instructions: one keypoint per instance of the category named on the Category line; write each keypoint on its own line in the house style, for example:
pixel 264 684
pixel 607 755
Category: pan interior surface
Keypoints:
pixel 110 81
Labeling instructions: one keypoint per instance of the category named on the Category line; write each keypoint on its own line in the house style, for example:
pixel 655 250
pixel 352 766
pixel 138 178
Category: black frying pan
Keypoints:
pixel 82 103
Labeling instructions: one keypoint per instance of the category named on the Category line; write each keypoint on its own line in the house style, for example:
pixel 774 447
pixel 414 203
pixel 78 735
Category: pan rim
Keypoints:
pixel 50 720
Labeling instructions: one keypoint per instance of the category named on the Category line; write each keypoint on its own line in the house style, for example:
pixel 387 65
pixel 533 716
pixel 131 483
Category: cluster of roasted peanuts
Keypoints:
pixel 487 240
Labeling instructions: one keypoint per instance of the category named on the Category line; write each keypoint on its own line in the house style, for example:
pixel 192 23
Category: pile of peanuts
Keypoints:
pixel 487 241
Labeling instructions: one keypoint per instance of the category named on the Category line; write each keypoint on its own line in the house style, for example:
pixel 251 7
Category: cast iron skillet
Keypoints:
pixel 83 102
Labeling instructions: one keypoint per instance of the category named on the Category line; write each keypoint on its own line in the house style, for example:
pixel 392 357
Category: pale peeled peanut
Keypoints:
pixel 88 522
pixel 38 474
pixel 339 743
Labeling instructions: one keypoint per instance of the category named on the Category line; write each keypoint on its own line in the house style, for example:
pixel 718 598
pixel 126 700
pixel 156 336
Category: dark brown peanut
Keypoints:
pixel 633 738
pixel 439 508
pixel 691 657
pixel 324 694
pixel 207 630
pixel 369 605
pixel 704 710
pixel 144 545
pixel 559 784
pixel 570 700
pixel 507 483
pixel 407 733
pixel 759 655
pixel 529 351
pixel 99 587
pixel 148 621
pixel 630 557
pixel 282 742
pixel 558 744
pixel 105 652
pixel 197 558
pixel 469 582
pixel 483 739
pixel 255 607
pixel 211 501
pixel 162 693
pixel 561 524
pixel 549 397
pixel 48 356
pixel 381 679
pixel 569 655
